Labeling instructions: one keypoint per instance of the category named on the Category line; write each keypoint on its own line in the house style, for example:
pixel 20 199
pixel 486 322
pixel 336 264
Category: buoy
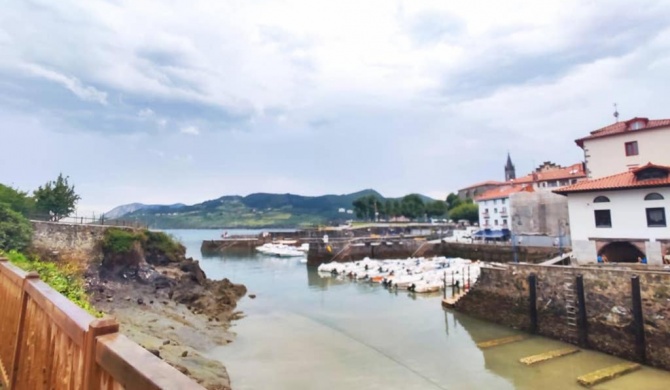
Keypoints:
pixel 329 249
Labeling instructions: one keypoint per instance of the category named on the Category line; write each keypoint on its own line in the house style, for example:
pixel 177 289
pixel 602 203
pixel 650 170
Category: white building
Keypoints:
pixel 621 217
pixel 626 145
pixel 494 206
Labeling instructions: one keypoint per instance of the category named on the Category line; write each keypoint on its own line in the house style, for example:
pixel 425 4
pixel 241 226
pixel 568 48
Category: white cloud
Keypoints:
pixel 84 92
pixel 427 94
pixel 190 130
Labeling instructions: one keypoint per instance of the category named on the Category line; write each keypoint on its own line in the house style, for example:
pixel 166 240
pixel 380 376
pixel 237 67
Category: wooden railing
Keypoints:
pixel 46 341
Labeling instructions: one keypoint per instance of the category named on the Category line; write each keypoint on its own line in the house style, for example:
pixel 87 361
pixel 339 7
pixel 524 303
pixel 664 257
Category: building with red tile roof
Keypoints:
pixel 621 217
pixel 625 145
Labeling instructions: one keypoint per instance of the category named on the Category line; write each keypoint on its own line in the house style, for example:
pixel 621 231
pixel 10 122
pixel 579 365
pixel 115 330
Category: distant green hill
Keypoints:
pixel 260 210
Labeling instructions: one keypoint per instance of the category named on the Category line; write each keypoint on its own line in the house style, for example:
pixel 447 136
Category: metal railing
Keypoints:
pixel 90 220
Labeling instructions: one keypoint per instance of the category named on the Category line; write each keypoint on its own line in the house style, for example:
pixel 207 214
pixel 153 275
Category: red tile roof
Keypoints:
pixel 623 127
pixel 484 183
pixel 574 171
pixel 504 192
pixel 619 181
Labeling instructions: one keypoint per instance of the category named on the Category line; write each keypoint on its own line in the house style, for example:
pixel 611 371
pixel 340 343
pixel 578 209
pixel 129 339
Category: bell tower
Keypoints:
pixel 510 173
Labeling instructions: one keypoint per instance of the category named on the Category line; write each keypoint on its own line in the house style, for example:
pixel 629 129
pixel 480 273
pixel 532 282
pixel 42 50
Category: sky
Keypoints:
pixel 172 101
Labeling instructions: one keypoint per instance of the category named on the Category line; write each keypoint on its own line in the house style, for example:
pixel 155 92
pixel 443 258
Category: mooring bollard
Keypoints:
pixel 581 303
pixel 640 345
pixel 532 284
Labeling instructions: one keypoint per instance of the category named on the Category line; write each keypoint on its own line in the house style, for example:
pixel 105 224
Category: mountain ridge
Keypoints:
pixel 256 210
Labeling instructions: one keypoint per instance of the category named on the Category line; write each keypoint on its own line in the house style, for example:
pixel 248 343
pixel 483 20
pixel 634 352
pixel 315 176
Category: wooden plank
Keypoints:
pixel 12 272
pixel 135 368
pixel 92 372
pixel 530 360
pixel 69 317
pixel 605 374
pixel 501 341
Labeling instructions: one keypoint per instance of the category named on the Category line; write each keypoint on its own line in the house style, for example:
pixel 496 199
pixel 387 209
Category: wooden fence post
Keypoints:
pixel 532 285
pixel 98 327
pixel 638 320
pixel 19 332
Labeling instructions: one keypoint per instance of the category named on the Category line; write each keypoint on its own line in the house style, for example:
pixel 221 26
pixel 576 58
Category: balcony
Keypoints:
pixel 485 214
pixel 503 212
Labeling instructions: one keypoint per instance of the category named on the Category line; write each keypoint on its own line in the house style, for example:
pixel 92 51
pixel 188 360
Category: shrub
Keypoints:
pixel 64 279
pixel 163 243
pixel 120 241
pixel 15 230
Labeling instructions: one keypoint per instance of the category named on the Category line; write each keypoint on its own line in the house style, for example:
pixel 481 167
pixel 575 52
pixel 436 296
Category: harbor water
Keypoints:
pixel 307 332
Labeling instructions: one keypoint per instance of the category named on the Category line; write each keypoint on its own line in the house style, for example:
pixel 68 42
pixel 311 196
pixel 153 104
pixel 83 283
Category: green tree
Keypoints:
pixel 437 208
pixel 452 201
pixel 56 198
pixel 468 211
pixel 412 206
pixel 17 200
pixel 15 229
pixel 360 208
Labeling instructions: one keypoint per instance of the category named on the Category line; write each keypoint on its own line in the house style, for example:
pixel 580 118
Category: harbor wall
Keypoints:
pixel 502 296
pixel 397 249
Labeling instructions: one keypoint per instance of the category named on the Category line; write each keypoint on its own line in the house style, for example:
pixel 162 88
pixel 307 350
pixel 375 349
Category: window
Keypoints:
pixel 637 125
pixel 603 218
pixel 495 210
pixel 503 201
pixel 651 173
pixel 631 148
pixel 656 217
pixel 653 196
pixel 495 222
pixel 495 201
pixel 504 222
pixel 601 199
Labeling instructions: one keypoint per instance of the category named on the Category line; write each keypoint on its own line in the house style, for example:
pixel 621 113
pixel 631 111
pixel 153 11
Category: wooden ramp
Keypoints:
pixel 605 374
pixel 501 341
pixel 539 358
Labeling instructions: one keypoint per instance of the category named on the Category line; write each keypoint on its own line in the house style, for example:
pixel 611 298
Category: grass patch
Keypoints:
pixel 163 243
pixel 120 240
pixel 63 278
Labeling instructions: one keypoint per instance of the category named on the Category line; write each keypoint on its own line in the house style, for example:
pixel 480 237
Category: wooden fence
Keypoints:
pixel 48 342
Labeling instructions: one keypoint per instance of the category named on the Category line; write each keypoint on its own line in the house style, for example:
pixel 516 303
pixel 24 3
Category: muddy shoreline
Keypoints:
pixel 167 305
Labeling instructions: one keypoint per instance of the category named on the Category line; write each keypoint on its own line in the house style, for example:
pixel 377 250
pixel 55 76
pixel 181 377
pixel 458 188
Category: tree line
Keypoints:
pixel 412 206
pixel 53 201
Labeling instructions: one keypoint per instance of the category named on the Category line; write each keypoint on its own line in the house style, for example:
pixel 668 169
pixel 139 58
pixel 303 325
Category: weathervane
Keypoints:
pixel 616 113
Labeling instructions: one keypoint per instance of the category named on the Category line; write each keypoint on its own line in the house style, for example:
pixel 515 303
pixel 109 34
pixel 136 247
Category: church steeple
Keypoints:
pixel 510 172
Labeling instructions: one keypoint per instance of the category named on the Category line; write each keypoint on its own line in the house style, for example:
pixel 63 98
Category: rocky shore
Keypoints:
pixel 165 303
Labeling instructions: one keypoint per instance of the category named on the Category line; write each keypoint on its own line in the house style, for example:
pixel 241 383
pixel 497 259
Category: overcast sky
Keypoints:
pixel 183 101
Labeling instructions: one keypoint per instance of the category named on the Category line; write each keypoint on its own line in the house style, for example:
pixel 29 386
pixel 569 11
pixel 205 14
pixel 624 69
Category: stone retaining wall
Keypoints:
pixel 502 296
pixel 76 243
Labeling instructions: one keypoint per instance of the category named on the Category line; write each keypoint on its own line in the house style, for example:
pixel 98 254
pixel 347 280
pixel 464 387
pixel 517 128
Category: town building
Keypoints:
pixel 619 213
pixel 626 145
pixel 549 176
pixel 494 206
pixel 622 217
pixel 475 190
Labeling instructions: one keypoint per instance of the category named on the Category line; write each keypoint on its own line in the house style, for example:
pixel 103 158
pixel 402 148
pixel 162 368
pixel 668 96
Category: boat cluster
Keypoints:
pixel 414 274
pixel 283 249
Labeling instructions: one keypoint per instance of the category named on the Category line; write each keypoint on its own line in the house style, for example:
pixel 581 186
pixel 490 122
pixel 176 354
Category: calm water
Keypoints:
pixel 305 332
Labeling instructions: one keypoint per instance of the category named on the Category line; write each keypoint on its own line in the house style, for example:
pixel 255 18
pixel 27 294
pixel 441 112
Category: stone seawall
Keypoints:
pixel 503 296
pixel 399 249
pixel 76 243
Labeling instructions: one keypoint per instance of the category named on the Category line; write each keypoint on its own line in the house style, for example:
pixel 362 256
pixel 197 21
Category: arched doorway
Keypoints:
pixel 621 252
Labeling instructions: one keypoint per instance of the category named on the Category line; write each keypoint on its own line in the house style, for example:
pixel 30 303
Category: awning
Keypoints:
pixel 488 233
